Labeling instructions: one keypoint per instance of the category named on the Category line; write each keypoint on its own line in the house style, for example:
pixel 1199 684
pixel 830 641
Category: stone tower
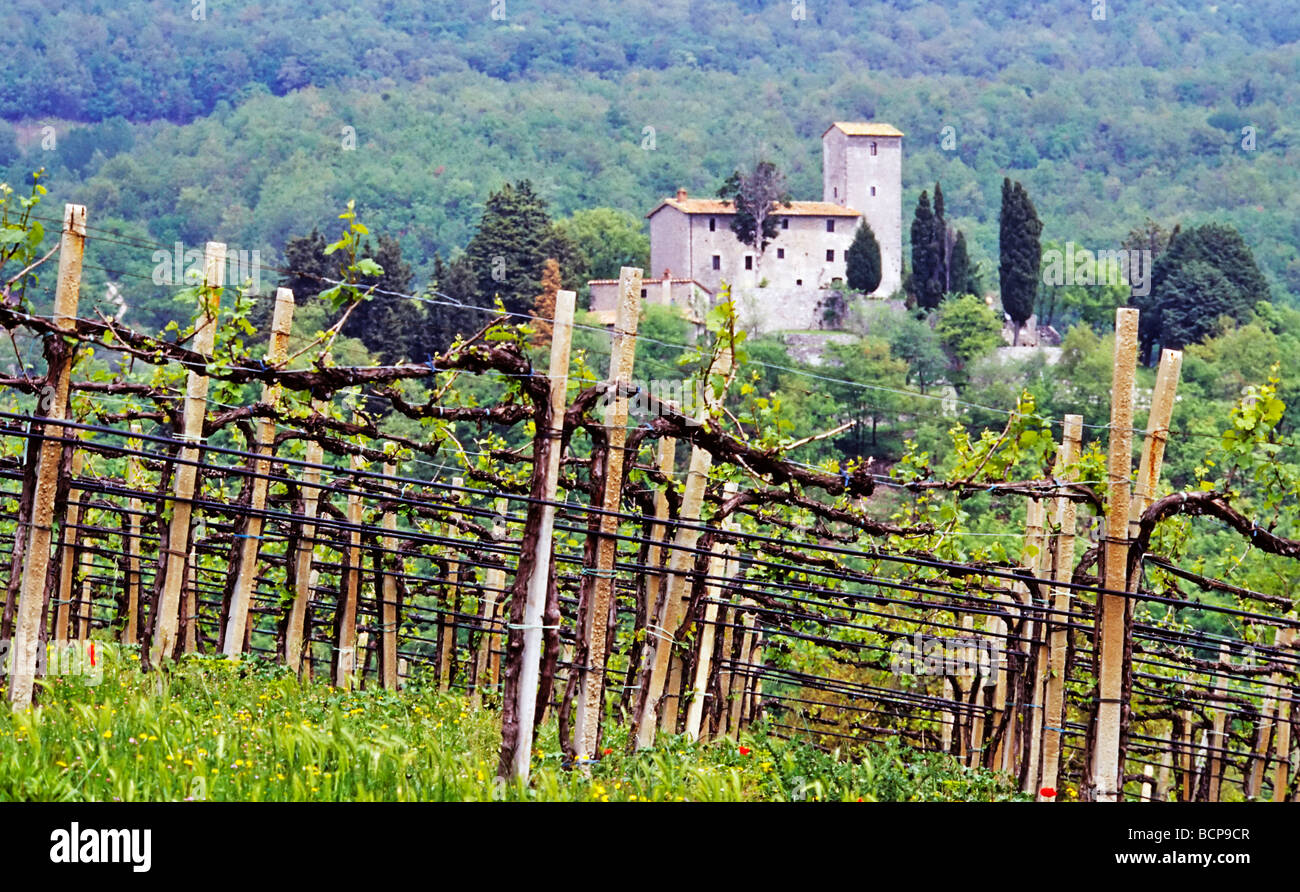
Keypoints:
pixel 862 169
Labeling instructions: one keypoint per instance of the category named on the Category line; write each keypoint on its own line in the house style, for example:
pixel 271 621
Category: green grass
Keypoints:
pixel 217 730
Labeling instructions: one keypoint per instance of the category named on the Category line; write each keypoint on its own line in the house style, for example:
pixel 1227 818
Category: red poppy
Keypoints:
pixel 1047 793
pixel 745 751
pixel 608 751
pixel 859 798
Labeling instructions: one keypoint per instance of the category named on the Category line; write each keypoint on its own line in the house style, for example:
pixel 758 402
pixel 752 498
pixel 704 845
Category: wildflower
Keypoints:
pixel 1047 793
pixel 608 751
pixel 745 751
pixel 108 733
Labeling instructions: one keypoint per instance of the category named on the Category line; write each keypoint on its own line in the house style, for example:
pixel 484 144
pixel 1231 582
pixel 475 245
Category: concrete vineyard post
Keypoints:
pixel 592 683
pixel 1218 725
pixel 719 566
pixel 64 621
pixel 1059 626
pixel 494 582
pixel 54 405
pixel 681 559
pixel 1031 714
pixel 388 560
pixel 531 654
pixel 250 543
pixel 447 633
pixel 186 475
pixel 1111 608
pixel 345 656
pixel 1153 451
pixel 1282 745
pixel 303 576
pixel 135 480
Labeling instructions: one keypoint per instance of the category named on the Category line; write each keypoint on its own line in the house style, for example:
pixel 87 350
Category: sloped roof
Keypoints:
pixel 658 281
pixel 864 128
pixel 719 207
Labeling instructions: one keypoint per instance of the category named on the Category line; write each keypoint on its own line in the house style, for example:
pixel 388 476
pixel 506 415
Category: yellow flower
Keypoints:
pixel 108 733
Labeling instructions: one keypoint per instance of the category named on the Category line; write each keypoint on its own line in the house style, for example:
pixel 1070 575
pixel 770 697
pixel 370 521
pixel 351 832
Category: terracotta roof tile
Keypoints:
pixel 659 281
pixel 719 207
pixel 865 128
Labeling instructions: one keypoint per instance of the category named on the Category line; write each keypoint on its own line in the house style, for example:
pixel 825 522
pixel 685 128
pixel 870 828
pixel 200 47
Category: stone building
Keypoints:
pixel 688 295
pixel 691 238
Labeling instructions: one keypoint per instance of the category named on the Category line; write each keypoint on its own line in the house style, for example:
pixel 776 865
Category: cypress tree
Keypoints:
pixel 1020 250
pixel 929 239
pixel 939 246
pixel 863 260
pixel 962 277
pixel 922 255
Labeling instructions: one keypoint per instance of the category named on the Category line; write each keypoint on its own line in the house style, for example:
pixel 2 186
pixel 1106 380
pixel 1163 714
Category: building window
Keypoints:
pixel 837 191
pixel 798 282
pixel 785 222
pixel 749 262
pixel 873 148
pixel 780 253
pixel 873 191
pixel 713 224
pixel 830 255
pixel 717 261
pixel 643 292
pixel 830 225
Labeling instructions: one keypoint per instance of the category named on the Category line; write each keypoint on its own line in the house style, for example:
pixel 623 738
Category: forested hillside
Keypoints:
pixel 231 126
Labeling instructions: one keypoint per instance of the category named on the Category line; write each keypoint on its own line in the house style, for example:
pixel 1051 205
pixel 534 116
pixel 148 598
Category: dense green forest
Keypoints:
pixel 190 121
